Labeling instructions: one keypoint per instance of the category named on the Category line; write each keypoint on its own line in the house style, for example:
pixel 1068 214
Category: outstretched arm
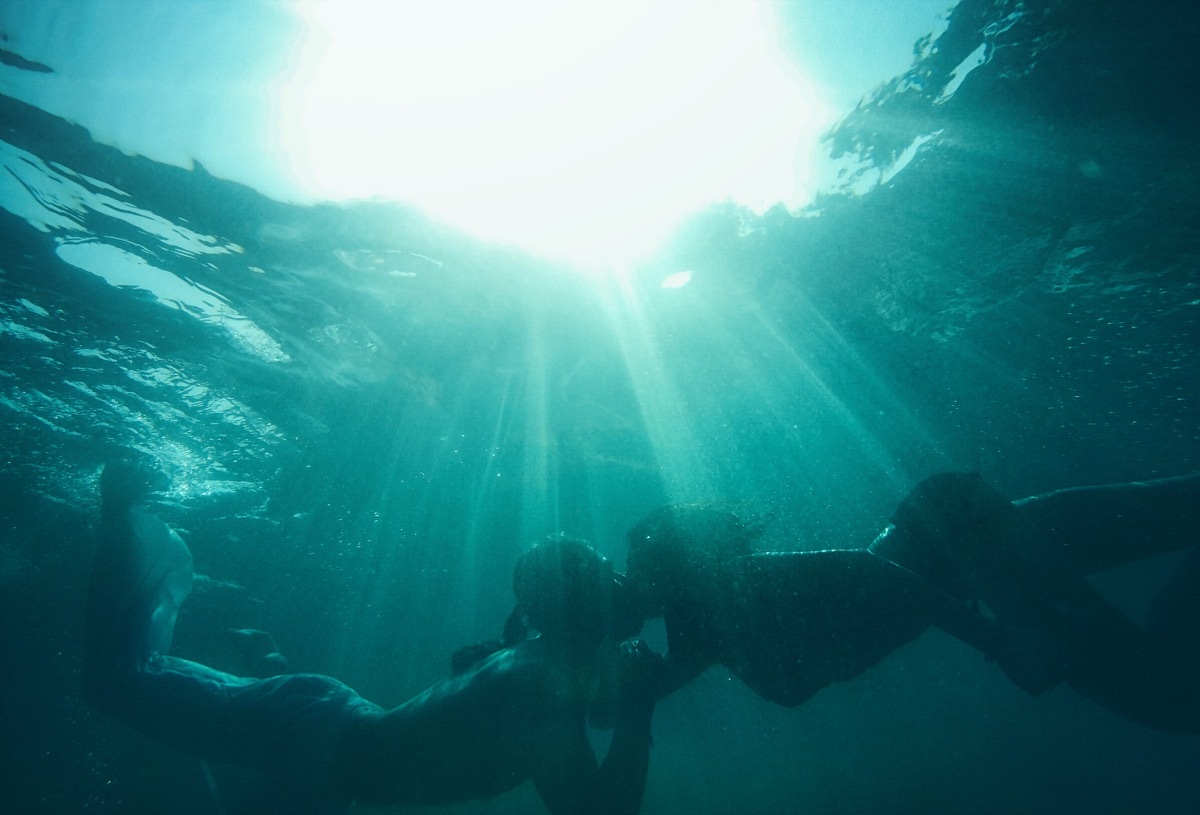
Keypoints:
pixel 566 774
pixel 1030 660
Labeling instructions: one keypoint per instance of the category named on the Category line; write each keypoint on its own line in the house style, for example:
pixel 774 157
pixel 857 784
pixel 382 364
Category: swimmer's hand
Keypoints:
pixel 1033 662
pixel 629 677
pixel 639 673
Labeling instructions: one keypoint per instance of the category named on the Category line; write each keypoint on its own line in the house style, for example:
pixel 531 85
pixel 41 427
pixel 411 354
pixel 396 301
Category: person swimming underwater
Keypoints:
pixel 789 624
pixel 518 714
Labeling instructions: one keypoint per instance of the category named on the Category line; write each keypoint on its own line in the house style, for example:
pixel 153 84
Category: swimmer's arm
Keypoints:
pixel 623 774
pixel 1099 527
pixel 1031 661
pixel 955 617
pixel 570 782
pixel 565 770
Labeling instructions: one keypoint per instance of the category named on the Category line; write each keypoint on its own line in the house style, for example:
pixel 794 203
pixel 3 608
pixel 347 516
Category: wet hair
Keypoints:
pixel 564 587
pixel 676 541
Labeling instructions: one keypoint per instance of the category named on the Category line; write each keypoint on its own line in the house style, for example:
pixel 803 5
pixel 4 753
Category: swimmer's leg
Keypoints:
pixel 285 723
pixel 141 574
pixel 1111 524
pixel 285 726
pixel 1174 616
pixel 1133 672
pixel 283 729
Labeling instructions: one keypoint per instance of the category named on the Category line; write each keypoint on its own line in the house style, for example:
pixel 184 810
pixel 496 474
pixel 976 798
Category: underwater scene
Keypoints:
pixel 360 417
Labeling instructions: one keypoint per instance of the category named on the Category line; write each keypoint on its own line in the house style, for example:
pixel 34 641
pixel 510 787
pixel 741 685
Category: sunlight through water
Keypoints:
pixel 583 131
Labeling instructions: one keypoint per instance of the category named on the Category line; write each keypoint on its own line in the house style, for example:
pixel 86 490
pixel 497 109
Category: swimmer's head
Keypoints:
pixel 675 544
pixel 948 504
pixel 948 528
pixel 568 589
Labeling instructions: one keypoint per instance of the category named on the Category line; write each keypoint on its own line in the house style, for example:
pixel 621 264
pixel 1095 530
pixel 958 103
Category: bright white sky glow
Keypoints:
pixel 579 129
pixel 583 130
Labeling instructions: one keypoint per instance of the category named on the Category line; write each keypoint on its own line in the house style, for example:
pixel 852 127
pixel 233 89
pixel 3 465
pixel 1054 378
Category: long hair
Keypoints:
pixel 679 540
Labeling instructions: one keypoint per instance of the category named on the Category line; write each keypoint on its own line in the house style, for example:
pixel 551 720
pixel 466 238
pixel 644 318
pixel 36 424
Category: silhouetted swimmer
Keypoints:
pixel 791 623
pixel 1026 561
pixel 516 715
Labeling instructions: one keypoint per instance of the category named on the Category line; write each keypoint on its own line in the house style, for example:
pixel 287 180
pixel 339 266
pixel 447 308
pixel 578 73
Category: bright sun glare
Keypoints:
pixel 581 130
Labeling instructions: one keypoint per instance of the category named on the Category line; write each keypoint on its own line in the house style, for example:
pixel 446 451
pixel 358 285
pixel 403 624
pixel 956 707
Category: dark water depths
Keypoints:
pixel 367 416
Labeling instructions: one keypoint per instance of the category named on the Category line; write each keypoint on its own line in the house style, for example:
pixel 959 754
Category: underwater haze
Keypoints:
pixel 367 415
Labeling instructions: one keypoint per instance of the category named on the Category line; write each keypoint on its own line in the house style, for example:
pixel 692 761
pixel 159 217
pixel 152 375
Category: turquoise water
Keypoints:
pixel 367 416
